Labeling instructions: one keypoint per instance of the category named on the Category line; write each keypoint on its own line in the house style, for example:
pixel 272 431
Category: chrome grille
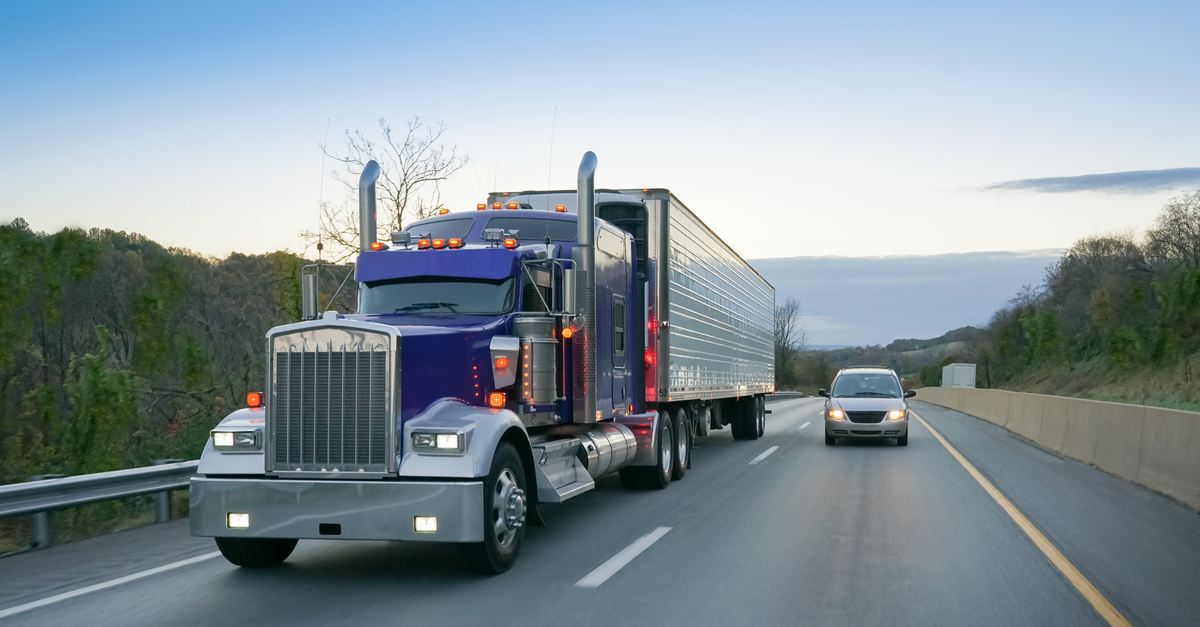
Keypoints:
pixel 330 403
pixel 864 417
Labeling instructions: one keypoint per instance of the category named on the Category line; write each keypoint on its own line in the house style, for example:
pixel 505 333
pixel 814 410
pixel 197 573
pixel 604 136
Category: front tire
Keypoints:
pixel 902 440
pixel 255 552
pixel 503 516
pixel 829 440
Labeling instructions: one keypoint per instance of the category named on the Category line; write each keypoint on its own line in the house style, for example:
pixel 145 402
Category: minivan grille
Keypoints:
pixel 330 408
pixel 863 417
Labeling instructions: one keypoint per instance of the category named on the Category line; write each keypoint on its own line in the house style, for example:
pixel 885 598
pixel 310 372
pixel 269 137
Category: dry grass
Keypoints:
pixel 88 521
pixel 1170 387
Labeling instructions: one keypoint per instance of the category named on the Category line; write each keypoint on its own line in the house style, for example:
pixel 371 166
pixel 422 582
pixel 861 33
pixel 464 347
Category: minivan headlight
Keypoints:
pixel 835 414
pixel 896 414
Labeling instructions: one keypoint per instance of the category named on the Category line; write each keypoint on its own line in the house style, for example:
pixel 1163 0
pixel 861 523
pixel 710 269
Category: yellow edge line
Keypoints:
pixel 1085 587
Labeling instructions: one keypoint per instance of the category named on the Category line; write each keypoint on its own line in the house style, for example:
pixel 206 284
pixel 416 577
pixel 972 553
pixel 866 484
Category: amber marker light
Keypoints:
pixel 439 243
pixel 454 242
pixel 510 243
pixel 254 399
pixel 496 399
pixel 501 363
pixel 378 246
pixel 560 208
pixel 568 332
pixel 442 212
pixel 835 414
pixel 481 206
pixel 422 244
pixel 497 205
pixel 513 205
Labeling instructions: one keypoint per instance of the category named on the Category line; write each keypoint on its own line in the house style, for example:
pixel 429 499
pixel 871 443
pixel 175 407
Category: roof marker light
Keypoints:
pixel 497 205
pixel 253 399
pixel 439 243
pixel 442 212
pixel 510 243
pixel 422 244
pixel 513 205
pixel 454 242
pixel 481 206
pixel 378 246
pixel 560 208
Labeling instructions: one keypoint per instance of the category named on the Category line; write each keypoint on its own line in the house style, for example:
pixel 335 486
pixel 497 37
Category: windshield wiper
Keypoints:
pixel 423 306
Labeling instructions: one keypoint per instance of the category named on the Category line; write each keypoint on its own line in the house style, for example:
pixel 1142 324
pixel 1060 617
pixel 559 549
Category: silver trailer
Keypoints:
pixel 707 311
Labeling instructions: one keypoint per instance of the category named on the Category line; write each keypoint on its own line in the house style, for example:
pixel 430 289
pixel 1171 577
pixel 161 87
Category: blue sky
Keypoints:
pixel 793 129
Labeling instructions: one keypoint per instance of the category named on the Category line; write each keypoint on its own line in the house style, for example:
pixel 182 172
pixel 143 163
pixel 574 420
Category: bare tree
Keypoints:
pixel 790 337
pixel 411 167
pixel 1176 231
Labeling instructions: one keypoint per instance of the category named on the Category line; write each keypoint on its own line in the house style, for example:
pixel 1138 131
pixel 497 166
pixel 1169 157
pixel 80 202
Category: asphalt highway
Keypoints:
pixel 779 531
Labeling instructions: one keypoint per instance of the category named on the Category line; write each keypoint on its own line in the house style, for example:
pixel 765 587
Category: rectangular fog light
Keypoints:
pixel 238 521
pixel 425 524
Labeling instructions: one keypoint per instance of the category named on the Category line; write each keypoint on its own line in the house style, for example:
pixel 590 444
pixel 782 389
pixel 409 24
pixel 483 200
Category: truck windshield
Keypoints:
pixel 536 228
pixel 442 229
pixel 443 295
pixel 877 384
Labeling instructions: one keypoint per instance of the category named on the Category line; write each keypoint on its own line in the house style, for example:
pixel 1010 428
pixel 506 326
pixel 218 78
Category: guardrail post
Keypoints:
pixel 42 538
pixel 162 500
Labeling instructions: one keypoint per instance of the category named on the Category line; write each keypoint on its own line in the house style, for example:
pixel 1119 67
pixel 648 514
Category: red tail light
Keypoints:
pixel 649 357
pixel 454 242
pixel 510 243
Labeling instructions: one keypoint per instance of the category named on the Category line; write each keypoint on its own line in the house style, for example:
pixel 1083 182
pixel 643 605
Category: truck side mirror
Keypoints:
pixel 568 291
pixel 308 297
pixel 823 392
pixel 910 394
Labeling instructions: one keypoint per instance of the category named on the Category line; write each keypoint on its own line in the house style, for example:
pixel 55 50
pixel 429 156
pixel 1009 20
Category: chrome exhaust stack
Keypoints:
pixel 366 206
pixel 584 255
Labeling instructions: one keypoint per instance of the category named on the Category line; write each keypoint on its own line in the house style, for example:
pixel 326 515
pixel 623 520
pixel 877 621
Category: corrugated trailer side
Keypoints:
pixel 720 338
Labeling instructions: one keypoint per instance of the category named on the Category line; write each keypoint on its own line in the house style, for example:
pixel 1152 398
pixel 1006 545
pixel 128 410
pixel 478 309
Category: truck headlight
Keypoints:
pixel 235 440
pixel 438 442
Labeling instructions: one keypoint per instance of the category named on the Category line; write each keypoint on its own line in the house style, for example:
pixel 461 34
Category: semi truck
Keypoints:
pixel 501 360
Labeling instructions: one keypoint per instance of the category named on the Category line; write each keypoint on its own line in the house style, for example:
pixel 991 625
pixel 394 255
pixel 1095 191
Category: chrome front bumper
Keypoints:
pixel 357 510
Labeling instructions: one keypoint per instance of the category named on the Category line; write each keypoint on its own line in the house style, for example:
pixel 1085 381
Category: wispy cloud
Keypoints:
pixel 1135 182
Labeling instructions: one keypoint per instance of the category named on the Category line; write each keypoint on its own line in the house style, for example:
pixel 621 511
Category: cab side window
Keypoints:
pixel 618 326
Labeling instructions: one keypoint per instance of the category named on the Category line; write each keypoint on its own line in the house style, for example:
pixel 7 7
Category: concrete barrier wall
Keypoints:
pixel 1154 447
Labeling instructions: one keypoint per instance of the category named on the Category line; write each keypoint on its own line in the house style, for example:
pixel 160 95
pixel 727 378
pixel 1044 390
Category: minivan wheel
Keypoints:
pixel 902 440
pixel 829 440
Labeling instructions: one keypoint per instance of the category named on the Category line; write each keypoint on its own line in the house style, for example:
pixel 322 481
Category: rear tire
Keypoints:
pixel 749 416
pixel 760 405
pixel 658 476
pixel 829 440
pixel 255 552
pixel 682 432
pixel 902 440
pixel 503 516
pixel 737 425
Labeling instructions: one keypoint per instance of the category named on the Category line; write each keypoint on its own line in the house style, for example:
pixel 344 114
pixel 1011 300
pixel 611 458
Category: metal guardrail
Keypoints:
pixel 783 396
pixel 40 497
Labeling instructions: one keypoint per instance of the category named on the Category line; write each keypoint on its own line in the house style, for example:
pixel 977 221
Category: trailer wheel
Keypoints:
pixel 683 443
pixel 749 417
pixel 736 424
pixel 703 418
pixel 760 408
pixel 658 476
pixel 255 552
pixel 503 516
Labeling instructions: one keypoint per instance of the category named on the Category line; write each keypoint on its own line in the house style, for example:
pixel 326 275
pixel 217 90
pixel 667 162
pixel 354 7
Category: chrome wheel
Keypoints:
pixel 508 509
pixel 664 446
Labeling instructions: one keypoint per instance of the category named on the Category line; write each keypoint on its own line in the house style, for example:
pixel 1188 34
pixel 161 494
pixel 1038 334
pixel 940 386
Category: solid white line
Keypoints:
pixel 108 584
pixel 805 424
pixel 764 455
pixel 618 561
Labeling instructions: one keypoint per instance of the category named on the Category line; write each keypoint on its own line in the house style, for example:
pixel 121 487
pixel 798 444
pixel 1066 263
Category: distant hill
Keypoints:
pixel 964 334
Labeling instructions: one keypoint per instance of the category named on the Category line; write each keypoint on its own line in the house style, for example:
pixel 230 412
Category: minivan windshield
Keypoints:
pixel 439 295
pixel 866 384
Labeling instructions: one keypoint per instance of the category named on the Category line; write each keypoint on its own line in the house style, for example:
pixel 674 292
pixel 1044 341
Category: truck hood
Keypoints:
pixel 443 357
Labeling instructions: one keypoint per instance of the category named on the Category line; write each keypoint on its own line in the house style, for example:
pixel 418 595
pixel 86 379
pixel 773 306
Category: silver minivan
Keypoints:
pixel 866 402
